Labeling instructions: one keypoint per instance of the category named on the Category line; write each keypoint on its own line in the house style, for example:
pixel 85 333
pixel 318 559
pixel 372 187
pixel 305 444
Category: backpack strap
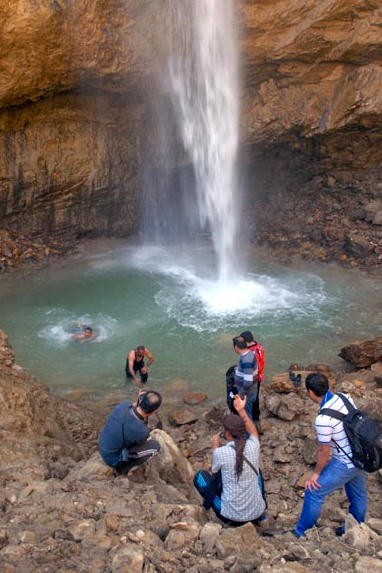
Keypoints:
pixel 248 462
pixel 123 424
pixel 332 414
pixel 347 402
pixel 338 416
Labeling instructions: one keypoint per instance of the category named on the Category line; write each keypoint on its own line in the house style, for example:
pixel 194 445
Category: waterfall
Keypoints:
pixel 204 78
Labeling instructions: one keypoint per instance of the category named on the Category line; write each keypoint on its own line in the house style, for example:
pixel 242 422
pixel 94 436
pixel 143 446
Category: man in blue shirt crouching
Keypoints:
pixel 123 442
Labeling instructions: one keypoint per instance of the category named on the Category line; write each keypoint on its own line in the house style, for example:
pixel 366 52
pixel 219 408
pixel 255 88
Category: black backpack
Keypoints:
pixel 231 388
pixel 364 435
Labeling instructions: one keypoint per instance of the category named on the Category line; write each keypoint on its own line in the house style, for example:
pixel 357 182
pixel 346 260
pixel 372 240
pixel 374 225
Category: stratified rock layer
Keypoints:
pixel 78 80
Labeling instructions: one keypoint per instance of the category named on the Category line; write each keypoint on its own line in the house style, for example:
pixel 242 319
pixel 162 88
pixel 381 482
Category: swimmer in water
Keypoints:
pixel 84 332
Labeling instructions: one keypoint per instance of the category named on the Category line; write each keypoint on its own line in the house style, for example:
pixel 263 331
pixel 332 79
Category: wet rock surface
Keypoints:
pixel 62 509
pixel 18 250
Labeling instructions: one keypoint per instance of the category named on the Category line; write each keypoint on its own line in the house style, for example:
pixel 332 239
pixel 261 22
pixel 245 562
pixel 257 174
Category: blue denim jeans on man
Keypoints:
pixel 251 399
pixel 335 475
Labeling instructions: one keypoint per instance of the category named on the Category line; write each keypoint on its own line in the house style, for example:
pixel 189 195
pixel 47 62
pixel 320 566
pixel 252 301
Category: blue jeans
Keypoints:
pixel 251 399
pixel 334 475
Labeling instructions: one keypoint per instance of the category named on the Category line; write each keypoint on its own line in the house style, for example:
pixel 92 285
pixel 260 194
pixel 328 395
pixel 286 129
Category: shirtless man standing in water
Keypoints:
pixel 135 363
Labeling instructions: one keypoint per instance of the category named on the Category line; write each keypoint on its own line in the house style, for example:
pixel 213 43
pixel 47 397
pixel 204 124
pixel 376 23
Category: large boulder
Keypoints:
pixel 363 353
pixel 171 466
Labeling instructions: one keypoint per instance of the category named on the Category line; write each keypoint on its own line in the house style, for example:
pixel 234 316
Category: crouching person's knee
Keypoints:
pixel 153 447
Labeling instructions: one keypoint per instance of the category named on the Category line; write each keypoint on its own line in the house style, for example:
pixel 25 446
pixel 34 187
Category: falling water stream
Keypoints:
pixel 204 75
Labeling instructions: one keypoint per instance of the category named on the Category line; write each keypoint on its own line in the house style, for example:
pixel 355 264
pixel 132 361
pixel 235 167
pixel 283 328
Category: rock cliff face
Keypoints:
pixel 76 84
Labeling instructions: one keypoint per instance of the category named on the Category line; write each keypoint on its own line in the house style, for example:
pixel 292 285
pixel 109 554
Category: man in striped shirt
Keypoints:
pixel 334 468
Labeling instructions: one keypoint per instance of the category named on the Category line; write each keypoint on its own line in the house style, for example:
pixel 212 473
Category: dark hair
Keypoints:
pixel 247 335
pixel 88 329
pixel 318 383
pixel 149 401
pixel 140 347
pixel 239 342
pixel 236 427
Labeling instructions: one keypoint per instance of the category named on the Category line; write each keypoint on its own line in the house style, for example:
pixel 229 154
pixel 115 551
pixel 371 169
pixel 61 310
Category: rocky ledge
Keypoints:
pixel 19 250
pixel 62 509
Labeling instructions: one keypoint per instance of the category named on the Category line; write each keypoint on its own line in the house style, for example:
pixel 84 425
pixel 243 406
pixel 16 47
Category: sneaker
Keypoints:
pixel 295 379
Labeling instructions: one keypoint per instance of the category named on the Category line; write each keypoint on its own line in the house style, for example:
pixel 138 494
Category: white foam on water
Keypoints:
pixel 189 292
pixel 62 325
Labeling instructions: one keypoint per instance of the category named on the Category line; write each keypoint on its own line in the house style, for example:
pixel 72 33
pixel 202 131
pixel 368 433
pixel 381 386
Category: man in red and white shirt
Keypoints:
pixel 259 353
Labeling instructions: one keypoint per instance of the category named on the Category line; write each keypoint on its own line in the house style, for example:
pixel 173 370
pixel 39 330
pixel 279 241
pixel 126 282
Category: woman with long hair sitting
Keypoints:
pixel 234 490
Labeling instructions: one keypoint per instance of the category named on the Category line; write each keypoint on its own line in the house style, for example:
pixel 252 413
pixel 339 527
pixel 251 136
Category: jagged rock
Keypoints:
pixel 82 529
pixel 191 530
pixel 358 245
pixel 245 563
pixel 363 353
pixel 286 407
pixel 273 486
pixel 209 534
pixel 372 211
pixel 374 409
pixel 298 552
pixel 375 524
pixel 376 370
pixel 175 540
pixel 358 535
pixel 377 218
pixel 128 559
pixel 7 356
pixel 303 479
pixel 368 565
pixel 357 379
pixel 283 454
pixel 309 451
pixel 171 465
pixel 93 467
pixel 182 416
pixel 209 565
pixel 239 541
pixel 195 398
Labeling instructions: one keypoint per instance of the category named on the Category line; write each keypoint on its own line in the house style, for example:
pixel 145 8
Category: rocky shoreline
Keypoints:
pixel 63 510
pixel 18 250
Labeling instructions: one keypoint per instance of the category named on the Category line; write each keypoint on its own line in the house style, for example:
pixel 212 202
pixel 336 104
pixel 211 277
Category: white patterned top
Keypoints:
pixel 241 499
